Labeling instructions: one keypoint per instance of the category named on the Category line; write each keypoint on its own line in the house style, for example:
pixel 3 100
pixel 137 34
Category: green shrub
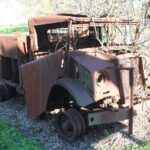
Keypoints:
pixel 145 146
pixel 13 29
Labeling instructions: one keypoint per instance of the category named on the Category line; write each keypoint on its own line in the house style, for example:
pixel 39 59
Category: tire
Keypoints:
pixel 70 124
pixel 80 120
pixel 4 92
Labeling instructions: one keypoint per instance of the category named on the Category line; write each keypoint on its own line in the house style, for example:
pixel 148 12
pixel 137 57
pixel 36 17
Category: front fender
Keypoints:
pixel 79 94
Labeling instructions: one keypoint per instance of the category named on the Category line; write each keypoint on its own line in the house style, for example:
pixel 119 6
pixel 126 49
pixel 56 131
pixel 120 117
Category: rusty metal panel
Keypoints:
pixel 42 20
pixel 110 87
pixel 39 77
pixel 23 44
pixel 131 61
pixel 9 46
pixel 107 116
pixel 101 63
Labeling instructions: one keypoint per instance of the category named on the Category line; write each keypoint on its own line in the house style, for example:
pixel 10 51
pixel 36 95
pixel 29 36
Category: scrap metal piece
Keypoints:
pixel 103 117
pixel 39 77
pixel 9 47
pixel 131 101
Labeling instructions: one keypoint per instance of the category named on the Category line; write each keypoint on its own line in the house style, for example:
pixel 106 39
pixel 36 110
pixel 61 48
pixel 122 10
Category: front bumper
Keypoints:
pixel 109 116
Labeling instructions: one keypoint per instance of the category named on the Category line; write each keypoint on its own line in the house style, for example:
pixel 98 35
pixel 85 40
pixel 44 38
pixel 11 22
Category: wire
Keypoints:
pixel 98 37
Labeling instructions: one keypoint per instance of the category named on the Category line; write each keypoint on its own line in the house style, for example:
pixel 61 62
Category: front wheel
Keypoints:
pixel 70 124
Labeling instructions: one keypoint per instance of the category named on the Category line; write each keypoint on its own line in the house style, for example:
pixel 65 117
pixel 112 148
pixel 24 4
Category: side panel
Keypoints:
pixel 9 47
pixel 13 53
pixel 38 79
pixel 135 62
pixel 9 58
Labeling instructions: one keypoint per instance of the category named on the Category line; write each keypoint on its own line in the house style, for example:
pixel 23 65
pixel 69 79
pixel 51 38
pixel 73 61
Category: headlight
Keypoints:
pixel 101 78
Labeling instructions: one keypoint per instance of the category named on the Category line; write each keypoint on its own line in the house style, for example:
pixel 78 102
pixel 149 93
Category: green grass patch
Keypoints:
pixel 145 146
pixel 12 139
pixel 13 29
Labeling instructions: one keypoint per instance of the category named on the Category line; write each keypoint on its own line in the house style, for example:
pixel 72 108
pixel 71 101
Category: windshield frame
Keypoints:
pixel 108 25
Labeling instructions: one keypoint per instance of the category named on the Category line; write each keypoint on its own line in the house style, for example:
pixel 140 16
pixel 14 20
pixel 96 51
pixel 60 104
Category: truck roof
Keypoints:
pixel 43 20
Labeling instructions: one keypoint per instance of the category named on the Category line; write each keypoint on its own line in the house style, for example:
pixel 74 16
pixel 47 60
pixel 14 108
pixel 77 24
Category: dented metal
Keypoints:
pixel 38 78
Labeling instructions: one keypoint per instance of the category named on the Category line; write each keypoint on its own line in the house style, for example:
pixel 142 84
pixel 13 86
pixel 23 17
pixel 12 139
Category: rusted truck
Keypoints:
pixel 86 69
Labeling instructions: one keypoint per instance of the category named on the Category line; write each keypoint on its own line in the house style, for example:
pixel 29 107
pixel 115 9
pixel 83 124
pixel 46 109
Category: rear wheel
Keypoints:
pixel 4 92
pixel 69 124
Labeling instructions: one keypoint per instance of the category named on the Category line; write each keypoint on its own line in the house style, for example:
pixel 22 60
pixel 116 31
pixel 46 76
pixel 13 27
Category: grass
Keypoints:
pixel 140 147
pixel 12 139
pixel 13 29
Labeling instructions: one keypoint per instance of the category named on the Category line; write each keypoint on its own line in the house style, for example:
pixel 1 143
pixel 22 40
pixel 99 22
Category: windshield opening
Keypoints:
pixel 122 34
pixel 87 36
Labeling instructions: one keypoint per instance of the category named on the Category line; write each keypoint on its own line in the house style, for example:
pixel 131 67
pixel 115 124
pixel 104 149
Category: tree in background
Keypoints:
pixel 118 8
pixel 38 7
pixel 99 7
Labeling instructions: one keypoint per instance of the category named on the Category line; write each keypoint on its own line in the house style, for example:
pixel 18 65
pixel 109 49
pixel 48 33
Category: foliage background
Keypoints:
pixel 18 11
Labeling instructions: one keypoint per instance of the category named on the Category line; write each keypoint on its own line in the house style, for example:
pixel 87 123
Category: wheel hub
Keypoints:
pixel 66 126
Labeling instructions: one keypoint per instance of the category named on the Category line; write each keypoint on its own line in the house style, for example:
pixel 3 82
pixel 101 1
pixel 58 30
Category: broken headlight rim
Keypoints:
pixel 102 76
